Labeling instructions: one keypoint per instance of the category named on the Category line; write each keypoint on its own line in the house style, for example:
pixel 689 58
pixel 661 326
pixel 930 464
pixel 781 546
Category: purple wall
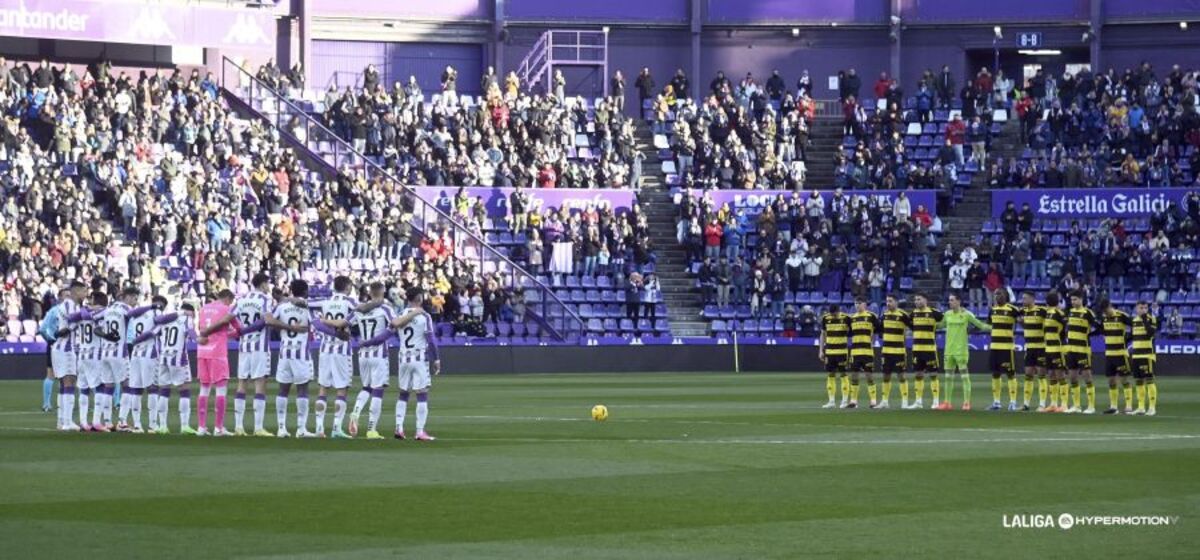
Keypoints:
pixel 629 49
pixel 922 11
pixel 424 9
pixel 341 63
pixel 858 11
pixel 606 10
pixel 1162 45
pixel 1154 8
pixel 822 53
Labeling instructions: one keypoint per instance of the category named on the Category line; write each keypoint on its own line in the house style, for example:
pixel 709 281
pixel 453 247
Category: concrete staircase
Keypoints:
pixel 825 135
pixel 680 294
pixel 963 222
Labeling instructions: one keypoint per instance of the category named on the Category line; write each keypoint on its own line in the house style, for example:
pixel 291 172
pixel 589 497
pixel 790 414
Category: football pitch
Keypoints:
pixel 687 466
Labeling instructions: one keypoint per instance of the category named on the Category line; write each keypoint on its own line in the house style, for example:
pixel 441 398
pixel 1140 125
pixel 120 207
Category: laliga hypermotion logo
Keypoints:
pixel 1067 521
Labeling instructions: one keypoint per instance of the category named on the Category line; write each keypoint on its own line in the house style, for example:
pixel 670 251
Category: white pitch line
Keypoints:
pixel 924 441
pixel 827 441
pixel 846 426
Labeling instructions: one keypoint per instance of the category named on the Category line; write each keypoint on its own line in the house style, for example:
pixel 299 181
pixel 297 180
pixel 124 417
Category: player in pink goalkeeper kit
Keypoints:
pixel 216 325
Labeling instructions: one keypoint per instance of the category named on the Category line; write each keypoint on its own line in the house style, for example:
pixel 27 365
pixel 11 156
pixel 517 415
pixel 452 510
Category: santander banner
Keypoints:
pixel 145 23
pixel 496 198
pixel 1128 202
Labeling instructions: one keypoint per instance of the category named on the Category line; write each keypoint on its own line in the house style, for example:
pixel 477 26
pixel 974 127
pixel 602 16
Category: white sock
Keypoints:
pixel 422 414
pixel 67 408
pixel 239 412
pixel 84 402
pixel 108 408
pixel 281 405
pixel 135 404
pixel 301 414
pixel 152 407
pixel 401 410
pixel 185 412
pixel 260 411
pixel 376 410
pixel 339 413
pixel 98 408
pixel 361 402
pixel 164 407
pixel 126 396
pixel 320 414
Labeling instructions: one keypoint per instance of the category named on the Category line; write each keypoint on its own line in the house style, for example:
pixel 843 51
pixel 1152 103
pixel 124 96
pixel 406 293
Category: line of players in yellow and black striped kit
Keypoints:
pixel 1058 354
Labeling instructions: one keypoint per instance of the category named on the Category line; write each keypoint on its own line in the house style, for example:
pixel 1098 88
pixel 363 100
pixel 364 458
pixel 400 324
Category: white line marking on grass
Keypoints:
pixel 759 424
pixel 928 441
pixel 923 441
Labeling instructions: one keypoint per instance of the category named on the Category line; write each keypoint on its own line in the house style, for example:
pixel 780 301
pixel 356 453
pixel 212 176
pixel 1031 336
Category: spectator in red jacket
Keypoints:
pixel 850 117
pixel 547 178
pixel 921 215
pixel 983 84
pixel 956 133
pixel 712 240
pixel 881 85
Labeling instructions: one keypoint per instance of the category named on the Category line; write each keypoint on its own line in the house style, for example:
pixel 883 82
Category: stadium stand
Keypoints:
pixel 116 166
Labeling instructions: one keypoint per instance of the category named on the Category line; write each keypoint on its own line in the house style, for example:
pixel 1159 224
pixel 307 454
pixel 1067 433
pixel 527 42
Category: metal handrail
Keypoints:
pixel 568 312
pixel 537 57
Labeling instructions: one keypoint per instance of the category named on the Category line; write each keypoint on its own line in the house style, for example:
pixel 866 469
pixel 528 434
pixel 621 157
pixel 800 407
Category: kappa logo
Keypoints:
pixel 149 25
pixel 246 31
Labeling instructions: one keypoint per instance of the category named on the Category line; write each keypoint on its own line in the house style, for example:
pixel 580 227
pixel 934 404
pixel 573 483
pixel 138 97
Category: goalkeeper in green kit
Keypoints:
pixel 957 353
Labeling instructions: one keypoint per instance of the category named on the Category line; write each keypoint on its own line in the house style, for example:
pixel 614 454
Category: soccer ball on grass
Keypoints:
pixel 599 413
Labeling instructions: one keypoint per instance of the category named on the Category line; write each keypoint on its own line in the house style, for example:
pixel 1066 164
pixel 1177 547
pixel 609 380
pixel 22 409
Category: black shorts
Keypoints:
pixel 1054 360
pixel 926 362
pixel 1117 365
pixel 1035 357
pixel 1143 368
pixel 835 363
pixel 1002 362
pixel 895 363
pixel 49 355
pixel 862 364
pixel 1079 360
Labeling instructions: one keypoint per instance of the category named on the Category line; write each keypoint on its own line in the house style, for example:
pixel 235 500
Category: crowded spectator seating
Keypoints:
pixel 748 136
pixel 1085 130
pixel 503 138
pixel 568 143
pixel 1154 259
pixel 762 269
pixel 891 147
pixel 152 181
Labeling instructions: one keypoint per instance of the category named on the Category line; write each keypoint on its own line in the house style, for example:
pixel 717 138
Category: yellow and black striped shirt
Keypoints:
pixel 1144 329
pixel 924 329
pixel 1004 325
pixel 1031 324
pixel 1080 324
pixel 895 322
pixel 1052 329
pixel 1116 332
pixel 863 326
pixel 836 327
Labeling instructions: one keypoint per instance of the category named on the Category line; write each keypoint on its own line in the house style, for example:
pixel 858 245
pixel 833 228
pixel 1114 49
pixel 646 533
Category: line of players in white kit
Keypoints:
pixel 100 346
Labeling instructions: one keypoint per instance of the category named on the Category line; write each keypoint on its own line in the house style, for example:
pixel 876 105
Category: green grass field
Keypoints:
pixel 688 466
